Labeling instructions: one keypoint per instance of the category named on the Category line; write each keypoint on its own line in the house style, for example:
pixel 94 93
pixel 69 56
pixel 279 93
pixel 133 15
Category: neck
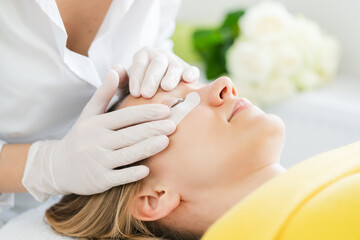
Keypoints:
pixel 259 177
pixel 82 20
pixel 230 196
pixel 249 184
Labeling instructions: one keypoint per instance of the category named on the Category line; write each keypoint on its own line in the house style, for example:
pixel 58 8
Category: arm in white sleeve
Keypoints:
pixel 2 143
pixel 6 199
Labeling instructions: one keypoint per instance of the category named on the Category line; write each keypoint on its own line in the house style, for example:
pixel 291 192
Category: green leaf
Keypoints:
pixel 212 44
pixel 232 18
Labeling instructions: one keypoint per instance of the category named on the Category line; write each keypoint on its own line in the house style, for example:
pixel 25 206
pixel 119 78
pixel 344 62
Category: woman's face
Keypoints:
pixel 213 150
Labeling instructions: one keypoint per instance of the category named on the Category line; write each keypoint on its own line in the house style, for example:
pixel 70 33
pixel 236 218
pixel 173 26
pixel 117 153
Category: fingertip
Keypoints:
pixel 147 93
pixel 113 74
pixel 149 86
pixel 134 88
pixel 163 140
pixel 191 74
pixel 162 110
pixel 121 71
pixel 196 72
pixel 168 85
pixel 141 172
pixel 171 127
pixel 134 93
pixel 110 84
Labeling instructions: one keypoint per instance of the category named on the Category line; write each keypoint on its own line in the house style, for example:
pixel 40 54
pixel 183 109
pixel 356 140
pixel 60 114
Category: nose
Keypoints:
pixel 221 90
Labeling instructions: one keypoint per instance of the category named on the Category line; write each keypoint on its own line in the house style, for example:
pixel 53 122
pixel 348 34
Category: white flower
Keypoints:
pixel 308 79
pixel 267 21
pixel 288 58
pixel 307 35
pixel 278 54
pixel 249 61
pixel 329 55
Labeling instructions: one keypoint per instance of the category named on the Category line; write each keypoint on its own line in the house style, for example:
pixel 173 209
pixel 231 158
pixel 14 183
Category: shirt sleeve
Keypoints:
pixel 168 12
pixel 6 199
pixel 2 143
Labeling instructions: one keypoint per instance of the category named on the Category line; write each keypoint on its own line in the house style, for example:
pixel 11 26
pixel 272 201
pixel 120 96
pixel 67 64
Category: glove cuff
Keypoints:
pixel 38 178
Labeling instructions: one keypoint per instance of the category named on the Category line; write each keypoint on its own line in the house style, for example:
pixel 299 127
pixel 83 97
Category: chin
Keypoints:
pixel 268 123
pixel 271 131
pixel 275 131
pixel 277 124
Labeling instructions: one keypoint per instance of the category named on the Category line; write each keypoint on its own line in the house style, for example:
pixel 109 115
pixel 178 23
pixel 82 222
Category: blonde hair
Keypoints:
pixel 107 216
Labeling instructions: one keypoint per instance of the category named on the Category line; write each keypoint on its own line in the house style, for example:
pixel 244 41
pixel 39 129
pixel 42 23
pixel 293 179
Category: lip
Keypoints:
pixel 239 105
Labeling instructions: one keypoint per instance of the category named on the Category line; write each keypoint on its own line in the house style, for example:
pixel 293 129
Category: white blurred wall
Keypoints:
pixel 337 17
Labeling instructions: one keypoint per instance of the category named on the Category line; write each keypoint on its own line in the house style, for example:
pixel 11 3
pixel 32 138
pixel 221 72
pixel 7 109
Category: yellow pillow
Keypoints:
pixel 317 199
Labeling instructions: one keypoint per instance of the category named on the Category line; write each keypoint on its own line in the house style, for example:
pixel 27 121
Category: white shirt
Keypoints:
pixel 43 85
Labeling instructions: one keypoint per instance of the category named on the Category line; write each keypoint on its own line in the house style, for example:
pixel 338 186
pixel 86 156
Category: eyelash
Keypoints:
pixel 179 100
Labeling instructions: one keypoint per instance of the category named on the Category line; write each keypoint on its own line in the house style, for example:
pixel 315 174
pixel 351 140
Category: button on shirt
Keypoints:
pixel 43 85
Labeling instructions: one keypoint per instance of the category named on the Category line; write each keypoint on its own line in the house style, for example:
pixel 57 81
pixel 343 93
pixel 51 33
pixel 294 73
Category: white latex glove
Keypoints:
pixel 152 68
pixel 83 161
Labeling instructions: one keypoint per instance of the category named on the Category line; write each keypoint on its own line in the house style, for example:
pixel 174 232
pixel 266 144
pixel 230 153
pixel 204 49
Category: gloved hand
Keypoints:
pixel 151 68
pixel 83 161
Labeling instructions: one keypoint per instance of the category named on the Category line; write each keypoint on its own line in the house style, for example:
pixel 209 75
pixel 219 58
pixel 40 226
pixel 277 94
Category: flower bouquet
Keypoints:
pixel 268 53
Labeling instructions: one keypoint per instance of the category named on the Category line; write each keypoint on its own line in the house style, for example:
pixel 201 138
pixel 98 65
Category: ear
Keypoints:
pixel 154 203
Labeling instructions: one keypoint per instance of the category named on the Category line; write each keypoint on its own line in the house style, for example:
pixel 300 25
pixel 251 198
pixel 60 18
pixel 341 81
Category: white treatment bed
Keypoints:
pixel 30 225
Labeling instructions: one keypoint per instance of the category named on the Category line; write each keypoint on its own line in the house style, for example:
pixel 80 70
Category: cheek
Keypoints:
pixel 196 153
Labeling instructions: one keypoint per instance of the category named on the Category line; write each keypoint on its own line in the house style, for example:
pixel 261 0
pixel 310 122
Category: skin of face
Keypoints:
pixel 210 162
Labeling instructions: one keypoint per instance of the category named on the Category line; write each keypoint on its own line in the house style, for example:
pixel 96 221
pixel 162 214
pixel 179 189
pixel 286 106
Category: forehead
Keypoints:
pixel 179 92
